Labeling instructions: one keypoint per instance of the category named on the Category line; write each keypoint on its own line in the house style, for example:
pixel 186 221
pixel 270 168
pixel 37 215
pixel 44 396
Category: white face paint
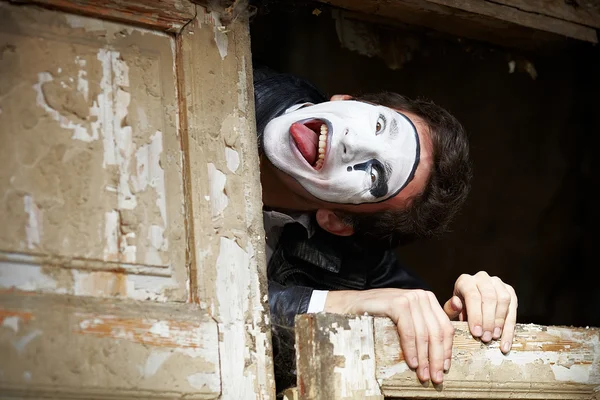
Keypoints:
pixel 344 151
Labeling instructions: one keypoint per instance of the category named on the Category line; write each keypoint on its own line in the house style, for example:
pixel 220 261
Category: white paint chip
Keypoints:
pixel 155 360
pixel 218 198
pixel 80 132
pixel 232 158
pixel 12 323
pixel 33 229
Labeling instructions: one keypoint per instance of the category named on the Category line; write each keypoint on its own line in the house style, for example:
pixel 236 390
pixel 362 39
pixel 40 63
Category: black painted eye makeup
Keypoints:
pixel 378 175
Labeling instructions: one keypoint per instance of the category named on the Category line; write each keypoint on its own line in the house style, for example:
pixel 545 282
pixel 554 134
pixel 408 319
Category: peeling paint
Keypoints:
pixel 12 323
pixel 158 243
pixel 111 236
pixel 203 381
pixel 218 198
pixel 33 229
pixel 154 361
pixel 233 272
pixel 190 338
pixel 79 131
pixel 150 173
pixel 356 346
pixel 22 277
pixel 232 158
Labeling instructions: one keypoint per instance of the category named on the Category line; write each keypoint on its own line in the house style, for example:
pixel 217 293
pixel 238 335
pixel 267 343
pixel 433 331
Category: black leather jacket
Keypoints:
pixel 326 262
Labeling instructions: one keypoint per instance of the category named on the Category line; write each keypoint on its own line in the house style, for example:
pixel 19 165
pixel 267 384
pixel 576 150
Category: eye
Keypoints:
pixel 374 175
pixel 380 124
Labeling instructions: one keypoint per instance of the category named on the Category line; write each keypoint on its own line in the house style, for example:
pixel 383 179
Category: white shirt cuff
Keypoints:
pixel 317 301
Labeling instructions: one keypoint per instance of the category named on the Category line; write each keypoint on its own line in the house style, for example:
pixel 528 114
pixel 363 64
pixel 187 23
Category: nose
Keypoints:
pixel 355 143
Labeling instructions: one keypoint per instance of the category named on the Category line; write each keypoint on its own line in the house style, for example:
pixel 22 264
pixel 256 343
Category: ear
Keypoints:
pixel 339 97
pixel 329 221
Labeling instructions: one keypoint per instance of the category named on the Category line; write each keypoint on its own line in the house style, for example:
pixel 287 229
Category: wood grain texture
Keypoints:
pixel 585 12
pixel 479 20
pixel 335 357
pixel 58 346
pixel 546 362
pixel 223 198
pixel 164 15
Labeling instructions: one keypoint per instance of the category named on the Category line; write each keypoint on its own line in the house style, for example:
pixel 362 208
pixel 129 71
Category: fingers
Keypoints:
pixel 435 338
pixel 488 304
pixel 508 332
pixel 502 307
pixel 447 337
pixel 406 331
pixel 426 334
pixel 453 308
pixel 491 306
pixel 421 335
pixel 466 288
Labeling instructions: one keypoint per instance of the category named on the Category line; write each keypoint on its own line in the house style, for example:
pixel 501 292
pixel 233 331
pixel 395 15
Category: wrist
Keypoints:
pixel 338 301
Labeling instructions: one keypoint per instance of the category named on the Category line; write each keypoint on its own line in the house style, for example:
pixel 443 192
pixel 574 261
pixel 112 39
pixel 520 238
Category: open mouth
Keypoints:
pixel 310 137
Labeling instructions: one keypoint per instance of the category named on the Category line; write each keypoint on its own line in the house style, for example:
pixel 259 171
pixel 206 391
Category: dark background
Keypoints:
pixel 532 214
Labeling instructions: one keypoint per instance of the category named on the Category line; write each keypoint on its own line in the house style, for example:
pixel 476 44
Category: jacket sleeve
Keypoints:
pixel 389 273
pixel 285 302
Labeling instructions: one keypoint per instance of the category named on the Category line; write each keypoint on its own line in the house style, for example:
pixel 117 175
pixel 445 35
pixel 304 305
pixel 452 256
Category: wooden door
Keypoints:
pixel 131 244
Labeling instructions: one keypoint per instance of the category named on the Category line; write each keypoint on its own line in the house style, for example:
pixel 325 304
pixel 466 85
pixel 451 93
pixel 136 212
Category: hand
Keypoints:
pixel 488 304
pixel 426 333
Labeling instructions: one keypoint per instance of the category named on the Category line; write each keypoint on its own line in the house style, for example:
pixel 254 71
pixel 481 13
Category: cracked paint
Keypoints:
pixel 218 198
pixel 33 229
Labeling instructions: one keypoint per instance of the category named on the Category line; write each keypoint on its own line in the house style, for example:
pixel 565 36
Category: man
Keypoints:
pixel 346 180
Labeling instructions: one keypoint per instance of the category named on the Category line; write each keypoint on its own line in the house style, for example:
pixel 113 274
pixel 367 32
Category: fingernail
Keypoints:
pixel 477 331
pixel 440 376
pixel 487 336
pixel 506 347
pixel 497 332
pixel 414 363
pixel 446 364
pixel 426 373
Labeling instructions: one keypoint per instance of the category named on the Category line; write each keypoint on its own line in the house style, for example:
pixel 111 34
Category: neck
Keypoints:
pixel 276 194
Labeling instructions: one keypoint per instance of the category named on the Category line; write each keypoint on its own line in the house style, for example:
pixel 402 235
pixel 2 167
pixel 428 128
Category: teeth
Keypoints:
pixel 322 146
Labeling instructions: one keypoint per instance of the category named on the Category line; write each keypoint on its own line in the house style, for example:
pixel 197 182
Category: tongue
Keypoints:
pixel 306 140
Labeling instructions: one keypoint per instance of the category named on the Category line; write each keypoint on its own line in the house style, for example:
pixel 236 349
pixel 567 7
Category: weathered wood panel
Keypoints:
pixel 335 357
pixel 546 362
pixel 166 15
pixel 56 346
pixel 227 235
pixel 90 162
pixel 479 20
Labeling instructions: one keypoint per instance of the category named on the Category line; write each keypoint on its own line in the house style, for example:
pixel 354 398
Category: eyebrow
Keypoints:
pixel 393 128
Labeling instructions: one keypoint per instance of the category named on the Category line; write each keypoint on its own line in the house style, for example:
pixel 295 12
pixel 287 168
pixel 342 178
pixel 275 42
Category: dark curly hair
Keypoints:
pixel 430 212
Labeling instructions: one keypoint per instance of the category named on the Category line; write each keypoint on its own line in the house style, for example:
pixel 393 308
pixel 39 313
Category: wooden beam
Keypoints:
pixel 546 362
pixel 480 20
pixel 223 204
pixel 130 349
pixel 164 15
pixel 585 12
